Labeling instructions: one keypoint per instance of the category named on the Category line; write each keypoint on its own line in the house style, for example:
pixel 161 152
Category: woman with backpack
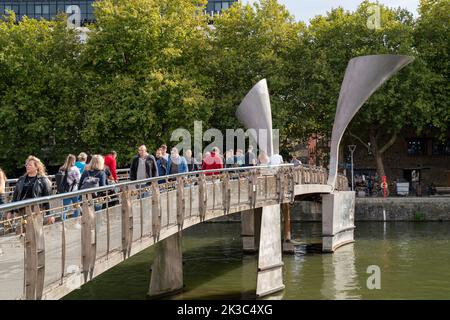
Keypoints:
pixel 70 178
pixel 34 184
pixel 94 176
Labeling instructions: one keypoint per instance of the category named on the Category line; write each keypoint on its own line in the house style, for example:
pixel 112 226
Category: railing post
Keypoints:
pixel 108 227
pixel 156 211
pixel 253 188
pixel 180 202
pixel 226 193
pixel 141 213
pixel 280 189
pixel 88 237
pixel 292 174
pixel 63 251
pixel 34 254
pixel 127 223
pixel 202 197
pixel 302 176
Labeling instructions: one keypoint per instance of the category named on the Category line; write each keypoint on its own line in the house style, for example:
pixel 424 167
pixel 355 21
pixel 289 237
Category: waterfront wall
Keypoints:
pixel 371 209
pixel 403 209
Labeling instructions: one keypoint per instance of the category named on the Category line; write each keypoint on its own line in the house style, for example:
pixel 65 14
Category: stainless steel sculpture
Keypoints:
pixel 364 75
pixel 255 113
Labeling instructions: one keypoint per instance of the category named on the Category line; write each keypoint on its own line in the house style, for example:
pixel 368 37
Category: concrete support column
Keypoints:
pixel 270 264
pixel 250 229
pixel 288 246
pixel 338 216
pixel 167 268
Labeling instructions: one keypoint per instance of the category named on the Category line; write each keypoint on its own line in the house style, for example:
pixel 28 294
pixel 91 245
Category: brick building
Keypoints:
pixel 415 159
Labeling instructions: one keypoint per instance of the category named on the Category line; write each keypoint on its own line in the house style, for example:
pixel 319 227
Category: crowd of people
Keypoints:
pixel 83 172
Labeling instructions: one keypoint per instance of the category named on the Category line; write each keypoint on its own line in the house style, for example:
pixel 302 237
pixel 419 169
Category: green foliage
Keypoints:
pixel 249 43
pixel 39 92
pixel 151 66
pixel 142 73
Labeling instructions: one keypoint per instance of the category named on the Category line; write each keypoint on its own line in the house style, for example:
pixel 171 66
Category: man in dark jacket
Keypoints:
pixel 143 165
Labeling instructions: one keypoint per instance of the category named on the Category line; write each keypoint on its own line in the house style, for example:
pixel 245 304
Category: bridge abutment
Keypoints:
pixel 270 264
pixel 338 216
pixel 167 267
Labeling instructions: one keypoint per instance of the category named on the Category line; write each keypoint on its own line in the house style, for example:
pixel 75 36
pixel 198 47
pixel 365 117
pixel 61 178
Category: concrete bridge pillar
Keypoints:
pixel 270 264
pixel 167 268
pixel 250 229
pixel 338 216
pixel 288 246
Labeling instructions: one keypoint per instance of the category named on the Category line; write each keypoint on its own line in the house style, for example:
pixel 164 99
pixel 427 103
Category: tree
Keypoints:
pixel 402 101
pixel 140 63
pixel 39 92
pixel 249 43
pixel 431 41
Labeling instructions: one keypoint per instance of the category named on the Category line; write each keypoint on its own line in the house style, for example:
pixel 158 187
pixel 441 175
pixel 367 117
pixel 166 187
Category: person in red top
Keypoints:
pixel 110 161
pixel 212 161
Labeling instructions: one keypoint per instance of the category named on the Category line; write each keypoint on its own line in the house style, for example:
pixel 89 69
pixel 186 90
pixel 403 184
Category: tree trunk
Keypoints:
pixel 379 151
pixel 380 164
pixel 377 154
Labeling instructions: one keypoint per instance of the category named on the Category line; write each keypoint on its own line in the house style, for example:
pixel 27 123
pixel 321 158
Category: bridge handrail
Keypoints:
pixel 46 199
pixel 52 177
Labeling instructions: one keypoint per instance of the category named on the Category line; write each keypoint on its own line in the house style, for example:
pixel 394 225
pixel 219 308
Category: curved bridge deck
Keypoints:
pixel 49 261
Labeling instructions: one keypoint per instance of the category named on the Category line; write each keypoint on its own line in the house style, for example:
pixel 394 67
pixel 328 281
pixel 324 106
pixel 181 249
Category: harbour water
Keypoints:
pixel 413 259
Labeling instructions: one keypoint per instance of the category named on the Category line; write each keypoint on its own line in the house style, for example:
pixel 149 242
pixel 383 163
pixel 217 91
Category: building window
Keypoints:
pixel 417 147
pixel 23 9
pixel 441 148
pixel 45 9
pixel 30 10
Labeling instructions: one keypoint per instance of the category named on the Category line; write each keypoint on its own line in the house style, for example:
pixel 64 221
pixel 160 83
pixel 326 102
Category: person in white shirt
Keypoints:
pixel 276 159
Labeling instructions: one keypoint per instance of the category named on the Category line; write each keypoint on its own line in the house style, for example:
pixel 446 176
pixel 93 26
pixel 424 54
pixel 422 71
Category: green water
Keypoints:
pixel 414 260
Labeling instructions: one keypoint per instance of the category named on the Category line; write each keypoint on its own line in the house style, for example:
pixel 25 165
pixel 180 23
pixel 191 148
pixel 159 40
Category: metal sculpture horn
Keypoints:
pixel 363 76
pixel 255 113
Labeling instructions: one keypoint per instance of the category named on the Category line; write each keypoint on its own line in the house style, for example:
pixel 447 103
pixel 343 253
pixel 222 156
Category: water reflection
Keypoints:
pixel 413 260
pixel 339 274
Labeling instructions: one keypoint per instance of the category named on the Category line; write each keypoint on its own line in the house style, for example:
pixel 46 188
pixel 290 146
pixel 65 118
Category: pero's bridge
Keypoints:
pixel 121 220
pixel 49 261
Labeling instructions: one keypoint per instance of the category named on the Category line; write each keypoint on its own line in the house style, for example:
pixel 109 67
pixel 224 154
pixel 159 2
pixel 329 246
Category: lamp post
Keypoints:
pixel 352 148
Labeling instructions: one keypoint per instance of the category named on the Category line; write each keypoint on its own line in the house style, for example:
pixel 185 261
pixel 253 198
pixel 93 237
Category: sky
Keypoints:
pixel 304 10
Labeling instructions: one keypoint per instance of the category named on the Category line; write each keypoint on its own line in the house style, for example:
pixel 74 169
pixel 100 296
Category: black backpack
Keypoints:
pixel 91 181
pixel 62 186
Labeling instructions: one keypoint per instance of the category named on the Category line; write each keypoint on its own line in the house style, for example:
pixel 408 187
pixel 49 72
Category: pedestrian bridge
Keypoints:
pixel 49 261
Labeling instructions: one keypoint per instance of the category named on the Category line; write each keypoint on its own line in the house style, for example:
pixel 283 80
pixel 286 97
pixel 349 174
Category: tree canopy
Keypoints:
pixel 152 66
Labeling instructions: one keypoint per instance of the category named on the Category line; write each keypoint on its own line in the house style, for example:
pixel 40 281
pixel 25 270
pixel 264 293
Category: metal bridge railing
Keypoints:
pixel 43 242
pixel 15 214
pixel 123 175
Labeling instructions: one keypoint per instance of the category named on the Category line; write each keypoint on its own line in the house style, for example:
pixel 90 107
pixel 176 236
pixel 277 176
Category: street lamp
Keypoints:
pixel 352 148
